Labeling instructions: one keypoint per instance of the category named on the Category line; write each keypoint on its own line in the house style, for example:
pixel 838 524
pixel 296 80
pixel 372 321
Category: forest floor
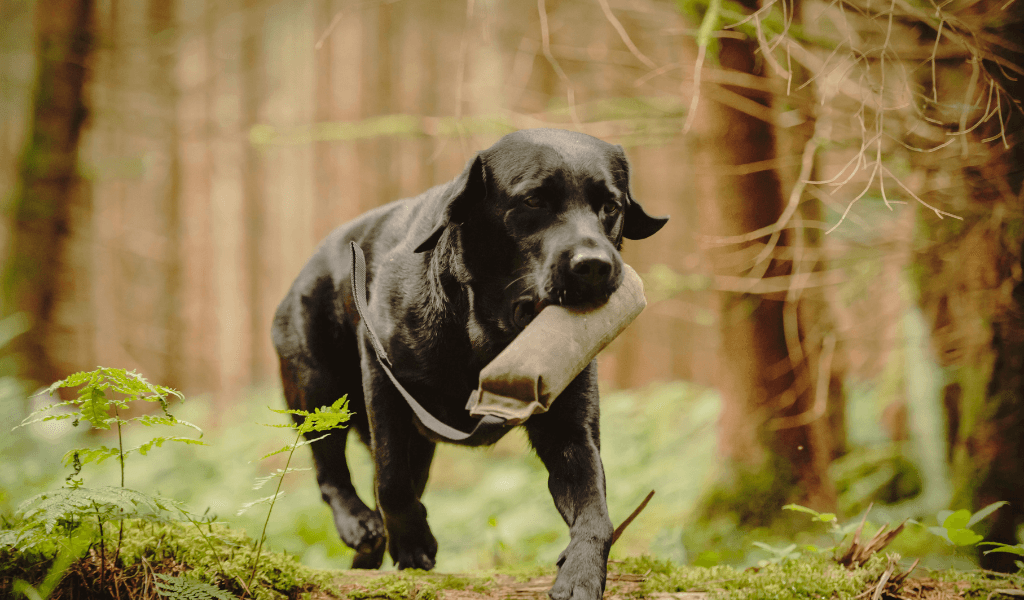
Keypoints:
pixel 692 583
pixel 812 577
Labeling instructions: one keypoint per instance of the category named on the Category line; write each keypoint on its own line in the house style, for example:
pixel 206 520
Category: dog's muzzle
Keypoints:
pixel 587 276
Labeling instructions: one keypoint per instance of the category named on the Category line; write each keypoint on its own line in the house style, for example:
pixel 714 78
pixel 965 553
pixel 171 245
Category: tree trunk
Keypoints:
pixel 41 207
pixel 971 281
pixel 776 440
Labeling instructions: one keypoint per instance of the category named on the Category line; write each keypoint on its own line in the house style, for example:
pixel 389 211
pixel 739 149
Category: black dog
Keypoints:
pixel 452 276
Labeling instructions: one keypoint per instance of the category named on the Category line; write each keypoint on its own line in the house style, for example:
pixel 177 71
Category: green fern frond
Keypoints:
pixel 262 481
pixel 167 420
pixel 95 407
pixel 48 509
pixel 323 418
pixel 159 441
pixel 266 500
pixel 35 416
pixel 188 588
pixel 89 455
pixel 73 380
pixel 291 447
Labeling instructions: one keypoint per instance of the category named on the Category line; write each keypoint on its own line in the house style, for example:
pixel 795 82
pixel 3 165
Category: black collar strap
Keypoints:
pixel 485 427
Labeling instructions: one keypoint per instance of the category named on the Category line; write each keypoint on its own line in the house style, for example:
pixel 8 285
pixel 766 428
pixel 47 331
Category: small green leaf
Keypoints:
pixel 941 532
pixel 802 509
pixel 1018 549
pixel 95 407
pixel 957 520
pixel 90 455
pixel 964 537
pixel 981 514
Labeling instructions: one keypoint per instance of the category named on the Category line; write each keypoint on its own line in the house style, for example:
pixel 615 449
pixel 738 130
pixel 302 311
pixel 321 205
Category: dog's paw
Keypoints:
pixel 371 560
pixel 415 554
pixel 363 532
pixel 581 576
pixel 415 559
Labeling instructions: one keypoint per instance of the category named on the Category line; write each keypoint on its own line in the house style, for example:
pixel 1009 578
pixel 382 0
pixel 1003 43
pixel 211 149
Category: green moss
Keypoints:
pixel 810 577
pixel 218 555
pixel 416 584
pixel 526 572
pixel 980 584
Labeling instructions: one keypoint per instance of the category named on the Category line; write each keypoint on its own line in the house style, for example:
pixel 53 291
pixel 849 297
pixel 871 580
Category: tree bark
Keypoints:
pixel 775 441
pixel 971 287
pixel 49 181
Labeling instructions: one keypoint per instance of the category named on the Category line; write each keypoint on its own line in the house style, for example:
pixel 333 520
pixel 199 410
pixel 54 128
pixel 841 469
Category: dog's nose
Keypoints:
pixel 591 265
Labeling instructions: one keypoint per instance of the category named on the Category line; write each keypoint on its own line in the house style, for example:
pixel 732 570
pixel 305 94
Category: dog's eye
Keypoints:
pixel 533 202
pixel 610 207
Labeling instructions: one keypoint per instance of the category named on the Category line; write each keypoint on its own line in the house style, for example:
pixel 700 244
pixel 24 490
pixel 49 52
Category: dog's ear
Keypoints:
pixel 470 183
pixel 638 224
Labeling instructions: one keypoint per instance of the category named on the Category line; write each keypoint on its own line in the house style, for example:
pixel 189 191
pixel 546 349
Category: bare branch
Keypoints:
pixel 546 48
pixel 625 36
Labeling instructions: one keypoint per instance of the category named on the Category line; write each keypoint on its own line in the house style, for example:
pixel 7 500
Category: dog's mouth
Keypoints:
pixel 525 309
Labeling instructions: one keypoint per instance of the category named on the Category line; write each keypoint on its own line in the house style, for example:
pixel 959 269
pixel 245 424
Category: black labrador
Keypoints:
pixel 452 276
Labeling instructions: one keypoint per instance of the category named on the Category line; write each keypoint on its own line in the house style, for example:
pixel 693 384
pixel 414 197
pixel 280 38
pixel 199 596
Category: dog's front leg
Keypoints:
pixel 401 458
pixel 567 440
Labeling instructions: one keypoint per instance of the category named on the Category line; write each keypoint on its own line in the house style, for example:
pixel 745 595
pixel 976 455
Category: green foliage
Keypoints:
pixel 95 406
pixel 956 525
pixel 64 509
pixel 68 508
pixel 1016 549
pixel 217 554
pixel 416 584
pixel 875 474
pixel 822 517
pixel 778 554
pixel 322 419
pixel 814 576
pixel 68 550
pixel 175 587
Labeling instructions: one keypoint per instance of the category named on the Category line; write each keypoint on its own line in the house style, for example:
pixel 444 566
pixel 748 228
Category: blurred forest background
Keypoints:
pixel 836 308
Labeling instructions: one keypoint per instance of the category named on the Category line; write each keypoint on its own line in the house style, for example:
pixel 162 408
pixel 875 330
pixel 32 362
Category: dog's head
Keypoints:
pixel 538 218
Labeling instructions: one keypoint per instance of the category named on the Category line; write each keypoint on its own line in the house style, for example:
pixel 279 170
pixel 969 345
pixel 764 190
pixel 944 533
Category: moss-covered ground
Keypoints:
pixel 223 557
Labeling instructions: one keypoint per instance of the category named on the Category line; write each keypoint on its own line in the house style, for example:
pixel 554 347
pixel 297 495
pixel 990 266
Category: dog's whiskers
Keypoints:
pixel 516 280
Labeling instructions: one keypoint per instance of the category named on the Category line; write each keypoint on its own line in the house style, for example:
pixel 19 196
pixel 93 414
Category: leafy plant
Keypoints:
pixel 956 525
pixel 778 555
pixel 1017 549
pixel 188 588
pixel 69 549
pixel 838 531
pixel 94 406
pixel 101 397
pixel 322 419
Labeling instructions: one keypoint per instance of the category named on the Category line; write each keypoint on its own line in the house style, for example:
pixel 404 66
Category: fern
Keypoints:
pixel 262 481
pixel 49 509
pixel 323 418
pixel 189 588
pixel 101 394
pixel 81 456
pixel 291 447
pixel 265 500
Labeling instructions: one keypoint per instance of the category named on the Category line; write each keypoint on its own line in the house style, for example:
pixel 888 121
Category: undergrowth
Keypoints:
pixel 62 542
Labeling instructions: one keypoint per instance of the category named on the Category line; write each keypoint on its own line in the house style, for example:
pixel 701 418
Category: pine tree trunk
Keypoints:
pixel 776 442
pixel 49 180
